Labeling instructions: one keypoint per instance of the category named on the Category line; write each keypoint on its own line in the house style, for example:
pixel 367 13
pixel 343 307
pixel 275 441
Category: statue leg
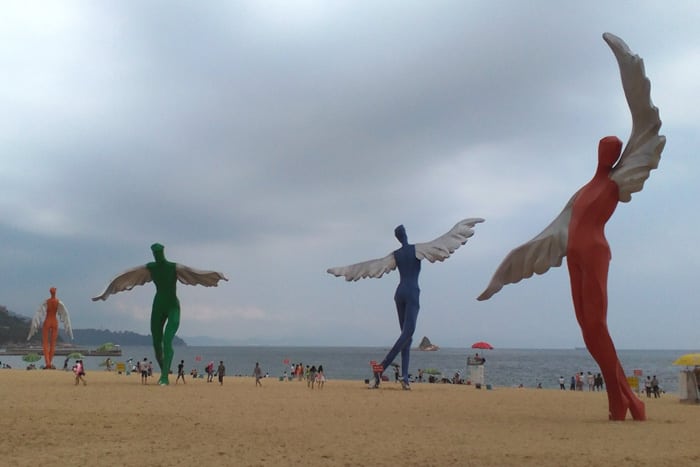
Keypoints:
pixel 171 327
pixel 407 309
pixel 52 344
pixel 45 344
pixel 589 294
pixel 158 319
pixel 408 328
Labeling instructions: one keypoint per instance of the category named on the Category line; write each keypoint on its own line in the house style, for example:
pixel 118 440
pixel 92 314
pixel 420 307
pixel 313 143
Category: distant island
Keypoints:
pixel 14 329
pixel 425 344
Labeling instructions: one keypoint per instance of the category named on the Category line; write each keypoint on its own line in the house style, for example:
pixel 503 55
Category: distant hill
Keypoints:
pixel 14 329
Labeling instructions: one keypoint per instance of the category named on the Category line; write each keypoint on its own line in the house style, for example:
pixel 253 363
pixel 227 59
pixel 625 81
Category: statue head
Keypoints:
pixel 158 251
pixel 52 290
pixel 400 233
pixel 609 149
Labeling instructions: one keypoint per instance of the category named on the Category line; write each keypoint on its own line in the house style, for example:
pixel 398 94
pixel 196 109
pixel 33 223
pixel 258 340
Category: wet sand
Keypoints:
pixel 114 420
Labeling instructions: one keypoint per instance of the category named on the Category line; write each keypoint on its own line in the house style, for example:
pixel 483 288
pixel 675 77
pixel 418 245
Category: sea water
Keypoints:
pixel 503 367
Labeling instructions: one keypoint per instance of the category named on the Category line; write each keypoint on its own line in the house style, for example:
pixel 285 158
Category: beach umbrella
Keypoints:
pixel 482 345
pixel 689 359
pixel 31 357
pixel 106 347
pixel 432 371
pixel 75 355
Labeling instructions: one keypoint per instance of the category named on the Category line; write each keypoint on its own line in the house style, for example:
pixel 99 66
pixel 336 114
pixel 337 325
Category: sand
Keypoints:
pixel 114 420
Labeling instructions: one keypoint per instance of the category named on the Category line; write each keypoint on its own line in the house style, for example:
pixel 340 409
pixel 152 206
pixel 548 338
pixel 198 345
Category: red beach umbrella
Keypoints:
pixel 482 345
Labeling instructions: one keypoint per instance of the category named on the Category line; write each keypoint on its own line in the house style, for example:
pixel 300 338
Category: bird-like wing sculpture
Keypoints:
pixel 438 250
pixel 38 318
pixel 641 155
pixel 126 281
pixel 543 252
pixel 373 268
pixel 643 150
pixel 191 276
pixel 442 247
pixel 62 313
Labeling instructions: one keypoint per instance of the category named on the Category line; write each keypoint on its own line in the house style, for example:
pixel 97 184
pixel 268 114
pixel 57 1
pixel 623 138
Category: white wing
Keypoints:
pixel 126 281
pixel 373 268
pixel 38 318
pixel 62 313
pixel 643 150
pixel 543 252
pixel 442 247
pixel 191 276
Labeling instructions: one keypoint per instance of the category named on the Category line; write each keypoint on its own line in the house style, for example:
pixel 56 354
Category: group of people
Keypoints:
pixel 579 380
pixel 313 375
pixel 651 386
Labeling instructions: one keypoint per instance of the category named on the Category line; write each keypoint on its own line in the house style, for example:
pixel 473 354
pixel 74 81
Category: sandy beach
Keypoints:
pixel 114 420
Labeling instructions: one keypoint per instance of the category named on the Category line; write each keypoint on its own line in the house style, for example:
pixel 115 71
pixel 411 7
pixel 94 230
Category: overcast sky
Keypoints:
pixel 273 140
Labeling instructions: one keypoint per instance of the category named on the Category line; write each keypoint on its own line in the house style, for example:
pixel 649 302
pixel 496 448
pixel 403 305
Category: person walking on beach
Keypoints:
pixel 79 370
pixel 655 387
pixel 210 372
pixel 590 380
pixel 561 383
pixel 647 386
pixel 220 371
pixel 180 372
pixel 257 372
pixel 311 377
pixel 320 377
pixel 143 369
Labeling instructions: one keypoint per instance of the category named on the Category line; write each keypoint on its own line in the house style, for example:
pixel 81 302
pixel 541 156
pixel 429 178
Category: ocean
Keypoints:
pixel 503 367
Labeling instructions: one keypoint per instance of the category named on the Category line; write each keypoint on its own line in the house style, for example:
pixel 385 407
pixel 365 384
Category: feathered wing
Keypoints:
pixel 537 256
pixel 62 313
pixel 126 281
pixel 643 150
pixel 191 276
pixel 442 247
pixel 38 318
pixel 373 268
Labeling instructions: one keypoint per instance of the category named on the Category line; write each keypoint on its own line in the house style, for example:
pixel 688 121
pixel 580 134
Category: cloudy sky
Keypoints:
pixel 272 140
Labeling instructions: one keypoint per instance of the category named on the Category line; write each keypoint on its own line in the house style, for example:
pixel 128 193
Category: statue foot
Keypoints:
pixel 637 409
pixel 635 406
pixel 163 381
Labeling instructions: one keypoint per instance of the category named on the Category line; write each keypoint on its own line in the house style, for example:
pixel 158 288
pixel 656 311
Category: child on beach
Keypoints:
pixel 79 371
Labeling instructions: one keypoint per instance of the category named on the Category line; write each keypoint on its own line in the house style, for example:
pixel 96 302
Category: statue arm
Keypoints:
pixel 191 276
pixel 543 252
pixel 38 318
pixel 126 281
pixel 643 150
pixel 442 247
pixel 374 268
pixel 62 313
